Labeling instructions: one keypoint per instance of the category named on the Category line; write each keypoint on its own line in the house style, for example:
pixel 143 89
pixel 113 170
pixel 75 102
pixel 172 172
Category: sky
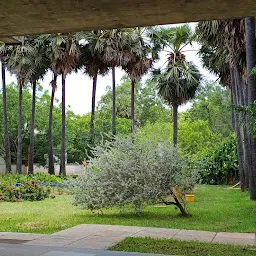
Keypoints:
pixel 79 86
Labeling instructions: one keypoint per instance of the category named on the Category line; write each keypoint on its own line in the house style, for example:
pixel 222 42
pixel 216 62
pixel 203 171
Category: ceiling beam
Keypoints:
pixel 24 17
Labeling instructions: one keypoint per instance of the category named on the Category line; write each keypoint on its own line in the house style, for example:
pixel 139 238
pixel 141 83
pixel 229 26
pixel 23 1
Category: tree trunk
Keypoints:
pixel 251 62
pixel 94 86
pixel 133 107
pixel 19 147
pixel 32 131
pixel 175 124
pixel 63 129
pixel 247 146
pixel 8 160
pixel 113 101
pixel 51 170
pixel 235 85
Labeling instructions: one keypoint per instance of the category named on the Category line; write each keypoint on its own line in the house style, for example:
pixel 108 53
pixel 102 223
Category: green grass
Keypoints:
pixel 216 209
pixel 177 247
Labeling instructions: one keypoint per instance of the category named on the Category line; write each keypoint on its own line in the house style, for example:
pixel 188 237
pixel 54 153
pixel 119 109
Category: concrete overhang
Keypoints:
pixel 24 17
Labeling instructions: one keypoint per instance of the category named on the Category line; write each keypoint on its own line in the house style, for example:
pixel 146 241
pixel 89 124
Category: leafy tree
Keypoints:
pixel 213 105
pixel 148 106
pixel 138 173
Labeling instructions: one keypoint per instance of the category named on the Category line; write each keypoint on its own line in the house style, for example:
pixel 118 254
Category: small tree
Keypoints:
pixel 139 173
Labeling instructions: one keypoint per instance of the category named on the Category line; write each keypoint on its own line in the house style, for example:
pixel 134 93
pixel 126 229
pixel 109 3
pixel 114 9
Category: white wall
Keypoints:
pixel 70 168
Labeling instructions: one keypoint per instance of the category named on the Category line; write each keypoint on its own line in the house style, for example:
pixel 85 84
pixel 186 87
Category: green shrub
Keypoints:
pixel 29 191
pixel 138 174
pixel 220 164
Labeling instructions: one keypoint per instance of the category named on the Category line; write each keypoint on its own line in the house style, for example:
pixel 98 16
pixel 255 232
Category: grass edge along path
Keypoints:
pixel 181 247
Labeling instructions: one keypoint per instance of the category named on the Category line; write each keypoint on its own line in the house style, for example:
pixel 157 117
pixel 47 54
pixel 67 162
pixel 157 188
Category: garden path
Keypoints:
pixel 92 239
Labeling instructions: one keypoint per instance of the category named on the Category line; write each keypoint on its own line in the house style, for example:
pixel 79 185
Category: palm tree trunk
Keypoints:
pixel 251 62
pixel 175 124
pixel 246 132
pixel 133 107
pixel 8 162
pixel 32 131
pixel 63 129
pixel 94 86
pixel 235 84
pixel 19 147
pixel 51 170
pixel 113 101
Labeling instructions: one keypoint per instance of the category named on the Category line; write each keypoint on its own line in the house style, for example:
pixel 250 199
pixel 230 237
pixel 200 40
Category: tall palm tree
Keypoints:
pixel 223 53
pixel 91 64
pixel 110 49
pixel 37 68
pixel 51 170
pixel 137 64
pixel 251 62
pixel 17 62
pixel 8 163
pixel 177 84
pixel 8 167
pixel 63 52
pixel 179 81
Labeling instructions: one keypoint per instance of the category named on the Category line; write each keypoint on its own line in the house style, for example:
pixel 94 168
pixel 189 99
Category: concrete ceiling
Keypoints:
pixel 24 17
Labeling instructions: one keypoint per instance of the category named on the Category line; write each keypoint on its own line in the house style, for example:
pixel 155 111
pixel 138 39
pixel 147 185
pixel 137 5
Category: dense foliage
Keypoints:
pixel 29 191
pixel 220 163
pixel 139 173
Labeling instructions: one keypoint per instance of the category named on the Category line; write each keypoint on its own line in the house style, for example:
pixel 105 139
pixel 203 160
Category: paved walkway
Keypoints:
pixel 32 250
pixel 100 237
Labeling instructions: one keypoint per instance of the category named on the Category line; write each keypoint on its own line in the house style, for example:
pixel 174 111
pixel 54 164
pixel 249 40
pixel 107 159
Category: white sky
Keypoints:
pixel 79 86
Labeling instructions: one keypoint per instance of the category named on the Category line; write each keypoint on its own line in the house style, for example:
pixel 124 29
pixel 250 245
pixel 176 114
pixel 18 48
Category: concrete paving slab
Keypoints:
pixel 104 238
pixel 235 235
pixel 21 236
pixel 51 242
pixel 22 252
pixel 90 245
pixel 196 233
pixel 61 253
pixel 131 229
pixel 109 233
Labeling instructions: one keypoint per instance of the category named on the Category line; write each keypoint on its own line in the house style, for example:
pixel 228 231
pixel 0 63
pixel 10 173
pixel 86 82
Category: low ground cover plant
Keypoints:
pixel 138 173
pixel 32 187
pixel 29 191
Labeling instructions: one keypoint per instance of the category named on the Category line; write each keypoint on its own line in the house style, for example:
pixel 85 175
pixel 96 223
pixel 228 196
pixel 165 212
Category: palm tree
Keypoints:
pixel 109 49
pixel 91 64
pixel 51 170
pixel 178 83
pixel 223 53
pixel 137 64
pixel 37 68
pixel 8 163
pixel 63 52
pixel 17 62
pixel 251 62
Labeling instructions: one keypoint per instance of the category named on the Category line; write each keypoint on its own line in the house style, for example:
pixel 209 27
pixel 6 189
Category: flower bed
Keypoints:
pixel 33 187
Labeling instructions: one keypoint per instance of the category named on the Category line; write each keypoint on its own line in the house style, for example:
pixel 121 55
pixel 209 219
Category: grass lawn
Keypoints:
pixel 216 209
pixel 177 247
